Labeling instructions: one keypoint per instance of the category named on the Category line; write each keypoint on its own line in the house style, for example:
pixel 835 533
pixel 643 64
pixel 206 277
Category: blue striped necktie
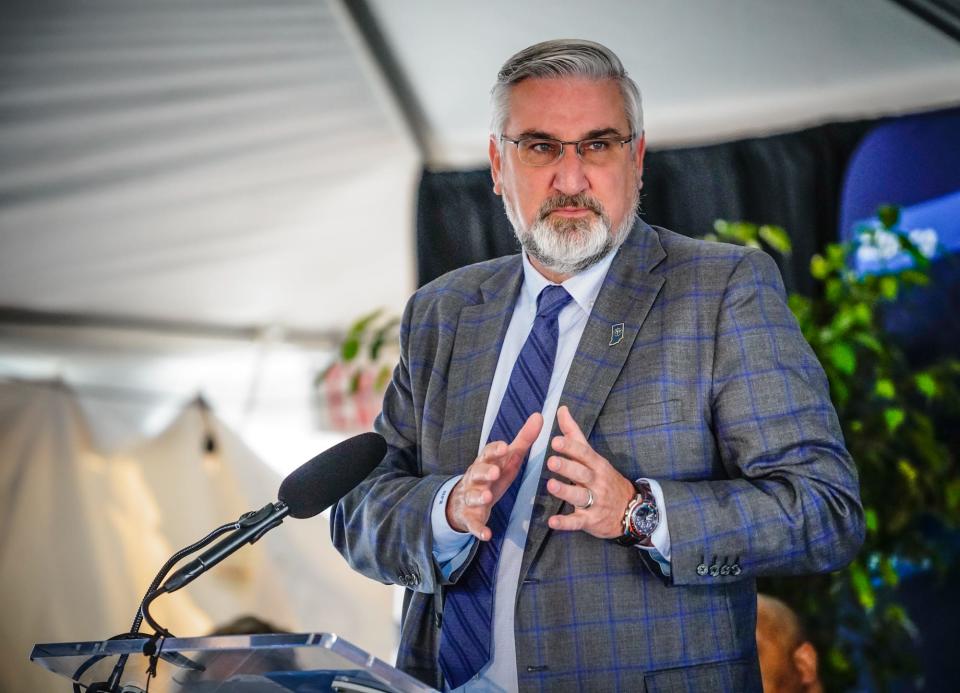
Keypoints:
pixel 468 605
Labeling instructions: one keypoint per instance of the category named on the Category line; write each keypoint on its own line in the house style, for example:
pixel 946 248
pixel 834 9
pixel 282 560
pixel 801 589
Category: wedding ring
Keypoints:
pixel 589 501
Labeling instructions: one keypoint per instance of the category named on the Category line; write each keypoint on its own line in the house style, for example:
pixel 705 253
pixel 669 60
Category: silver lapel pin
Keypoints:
pixel 616 334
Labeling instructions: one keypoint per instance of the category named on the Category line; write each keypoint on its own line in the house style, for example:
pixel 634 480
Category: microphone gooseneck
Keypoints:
pixel 307 491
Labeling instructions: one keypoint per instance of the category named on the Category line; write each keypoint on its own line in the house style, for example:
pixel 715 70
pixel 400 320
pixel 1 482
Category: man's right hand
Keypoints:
pixel 487 479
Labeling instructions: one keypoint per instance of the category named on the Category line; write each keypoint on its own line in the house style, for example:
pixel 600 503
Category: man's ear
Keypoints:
pixel 495 161
pixel 638 158
pixel 805 660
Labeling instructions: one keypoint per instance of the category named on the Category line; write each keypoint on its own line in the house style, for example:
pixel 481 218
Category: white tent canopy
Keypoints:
pixel 248 164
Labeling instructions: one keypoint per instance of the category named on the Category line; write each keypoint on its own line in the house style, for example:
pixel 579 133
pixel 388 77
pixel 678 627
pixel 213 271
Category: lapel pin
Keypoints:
pixel 616 334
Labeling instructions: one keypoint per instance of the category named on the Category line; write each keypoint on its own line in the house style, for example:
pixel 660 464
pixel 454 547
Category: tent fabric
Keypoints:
pixel 83 532
pixel 791 179
pixel 201 162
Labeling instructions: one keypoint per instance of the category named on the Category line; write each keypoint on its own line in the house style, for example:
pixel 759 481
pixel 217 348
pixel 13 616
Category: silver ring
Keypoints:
pixel 589 502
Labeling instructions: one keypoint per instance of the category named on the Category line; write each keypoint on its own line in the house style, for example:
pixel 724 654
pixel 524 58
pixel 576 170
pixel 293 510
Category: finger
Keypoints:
pixel 474 499
pixel 482 472
pixel 576 496
pixel 575 450
pixel 572 522
pixel 568 426
pixel 494 452
pixel 528 433
pixel 571 469
pixel 480 531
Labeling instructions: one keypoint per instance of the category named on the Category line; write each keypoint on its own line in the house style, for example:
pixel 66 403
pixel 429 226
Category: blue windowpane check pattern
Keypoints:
pixel 468 607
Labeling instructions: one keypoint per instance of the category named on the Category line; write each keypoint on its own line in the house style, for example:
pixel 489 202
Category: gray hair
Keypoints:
pixel 565 58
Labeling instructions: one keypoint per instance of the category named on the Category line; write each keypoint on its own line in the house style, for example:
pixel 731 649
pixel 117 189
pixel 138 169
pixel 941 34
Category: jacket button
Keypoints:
pixel 714 570
pixel 724 569
pixel 402 579
pixel 702 569
pixel 735 569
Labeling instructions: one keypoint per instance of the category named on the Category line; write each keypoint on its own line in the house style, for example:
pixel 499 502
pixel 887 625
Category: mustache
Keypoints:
pixel 579 200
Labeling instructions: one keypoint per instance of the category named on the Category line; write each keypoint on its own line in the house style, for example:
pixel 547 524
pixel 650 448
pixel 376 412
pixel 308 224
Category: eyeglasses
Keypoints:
pixel 542 151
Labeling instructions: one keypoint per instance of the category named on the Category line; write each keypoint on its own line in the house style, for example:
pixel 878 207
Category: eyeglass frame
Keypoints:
pixel 563 145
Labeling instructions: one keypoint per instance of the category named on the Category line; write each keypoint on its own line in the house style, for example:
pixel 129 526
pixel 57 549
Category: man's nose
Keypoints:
pixel 569 176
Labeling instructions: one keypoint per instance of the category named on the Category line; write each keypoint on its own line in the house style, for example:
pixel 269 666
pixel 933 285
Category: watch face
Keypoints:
pixel 644 519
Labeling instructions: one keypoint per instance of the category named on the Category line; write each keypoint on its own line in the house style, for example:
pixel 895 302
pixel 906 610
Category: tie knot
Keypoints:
pixel 551 301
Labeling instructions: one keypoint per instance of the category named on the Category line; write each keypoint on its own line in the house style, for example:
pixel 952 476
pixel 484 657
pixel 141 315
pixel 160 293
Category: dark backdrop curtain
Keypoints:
pixel 792 179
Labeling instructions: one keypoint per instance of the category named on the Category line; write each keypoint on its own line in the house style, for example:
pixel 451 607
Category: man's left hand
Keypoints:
pixel 593 477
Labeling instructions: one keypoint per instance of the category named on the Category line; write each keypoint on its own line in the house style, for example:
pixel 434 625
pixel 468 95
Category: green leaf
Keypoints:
pixel 870 517
pixel 889 286
pixel 926 384
pixel 888 574
pixel 350 348
pixel 819 267
pixel 885 389
pixel 838 660
pixel 953 495
pixel 914 277
pixel 869 341
pixel 844 319
pixel 908 471
pixel 383 377
pixel 381 337
pixel 863 313
pixel 841 393
pixel 354 386
pixel 776 237
pixel 862 587
pixel 835 290
pixel 837 255
pixel 894 416
pixel 360 326
pixel 889 215
pixel 843 357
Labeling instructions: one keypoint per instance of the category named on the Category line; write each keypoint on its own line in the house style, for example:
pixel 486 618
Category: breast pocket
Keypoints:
pixel 629 418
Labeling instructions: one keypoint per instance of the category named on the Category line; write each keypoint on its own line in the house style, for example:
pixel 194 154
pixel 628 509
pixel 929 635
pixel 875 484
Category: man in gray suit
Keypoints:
pixel 596 446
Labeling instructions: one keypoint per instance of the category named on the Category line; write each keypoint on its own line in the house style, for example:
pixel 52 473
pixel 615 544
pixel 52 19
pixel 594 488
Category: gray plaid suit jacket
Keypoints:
pixel 712 391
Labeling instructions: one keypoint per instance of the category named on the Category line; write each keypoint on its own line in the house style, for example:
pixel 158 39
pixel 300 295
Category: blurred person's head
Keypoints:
pixel 788 661
pixel 222 665
pixel 247 625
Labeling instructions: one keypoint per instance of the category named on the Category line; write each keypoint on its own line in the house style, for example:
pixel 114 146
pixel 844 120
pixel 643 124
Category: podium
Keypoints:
pixel 274 663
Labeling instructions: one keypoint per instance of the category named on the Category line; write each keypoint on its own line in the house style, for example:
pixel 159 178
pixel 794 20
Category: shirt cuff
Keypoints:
pixel 660 551
pixel 450 547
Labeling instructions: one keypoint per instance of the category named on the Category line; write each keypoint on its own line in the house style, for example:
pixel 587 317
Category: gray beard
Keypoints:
pixel 569 246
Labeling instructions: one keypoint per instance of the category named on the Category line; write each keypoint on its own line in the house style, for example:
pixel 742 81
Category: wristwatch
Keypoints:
pixel 641 517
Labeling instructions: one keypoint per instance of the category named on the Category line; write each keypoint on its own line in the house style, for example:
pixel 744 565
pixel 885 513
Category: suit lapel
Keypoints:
pixel 480 332
pixel 627 293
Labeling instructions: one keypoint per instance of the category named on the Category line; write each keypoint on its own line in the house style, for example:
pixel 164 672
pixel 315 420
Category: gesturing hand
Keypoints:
pixel 487 479
pixel 599 493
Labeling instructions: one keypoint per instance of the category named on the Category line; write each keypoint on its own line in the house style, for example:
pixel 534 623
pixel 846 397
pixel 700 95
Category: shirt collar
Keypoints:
pixel 583 287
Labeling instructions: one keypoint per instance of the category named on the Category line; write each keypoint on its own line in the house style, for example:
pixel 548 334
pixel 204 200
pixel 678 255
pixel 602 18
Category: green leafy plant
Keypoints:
pixel 355 380
pixel 899 421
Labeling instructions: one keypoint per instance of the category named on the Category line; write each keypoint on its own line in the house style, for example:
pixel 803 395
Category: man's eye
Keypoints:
pixel 596 145
pixel 542 147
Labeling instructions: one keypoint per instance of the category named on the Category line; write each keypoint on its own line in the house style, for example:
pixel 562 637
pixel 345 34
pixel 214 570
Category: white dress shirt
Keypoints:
pixel 451 548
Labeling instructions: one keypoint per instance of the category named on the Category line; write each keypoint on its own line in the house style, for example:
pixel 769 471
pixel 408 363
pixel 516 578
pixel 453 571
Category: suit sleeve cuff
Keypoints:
pixel 450 547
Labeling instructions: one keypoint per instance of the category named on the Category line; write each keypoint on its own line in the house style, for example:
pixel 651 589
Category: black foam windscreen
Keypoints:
pixel 316 485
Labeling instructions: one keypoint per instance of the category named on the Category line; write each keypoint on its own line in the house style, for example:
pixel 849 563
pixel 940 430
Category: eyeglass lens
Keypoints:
pixel 542 152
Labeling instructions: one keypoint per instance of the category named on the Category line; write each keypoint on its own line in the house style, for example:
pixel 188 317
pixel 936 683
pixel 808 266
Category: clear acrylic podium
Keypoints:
pixel 276 663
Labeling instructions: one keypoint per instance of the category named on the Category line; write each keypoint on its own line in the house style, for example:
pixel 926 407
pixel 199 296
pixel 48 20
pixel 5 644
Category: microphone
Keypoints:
pixel 307 491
